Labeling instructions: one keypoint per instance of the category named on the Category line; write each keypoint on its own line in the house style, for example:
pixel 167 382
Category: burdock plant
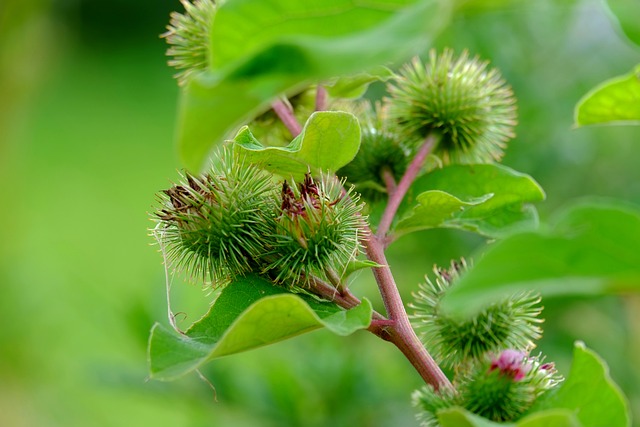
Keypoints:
pixel 280 229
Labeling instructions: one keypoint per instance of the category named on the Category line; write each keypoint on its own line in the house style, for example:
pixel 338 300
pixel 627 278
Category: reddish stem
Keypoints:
pixel 389 181
pixel 287 117
pixel 401 333
pixel 321 98
pixel 409 176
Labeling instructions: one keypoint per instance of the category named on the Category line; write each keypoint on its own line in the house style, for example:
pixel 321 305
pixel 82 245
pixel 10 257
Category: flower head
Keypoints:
pixel 505 387
pixel 512 363
pixel 469 106
pixel 317 227
pixel 509 323
pixel 213 225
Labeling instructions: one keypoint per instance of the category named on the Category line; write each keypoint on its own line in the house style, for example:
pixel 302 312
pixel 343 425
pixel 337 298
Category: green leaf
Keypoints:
pixel 436 209
pixel 263 49
pixel 328 141
pixel 593 248
pixel 615 101
pixel 550 418
pixel 244 27
pixel 356 85
pixel 487 199
pixel 627 12
pixel 483 6
pixel 589 392
pixel 249 313
pixel 357 265
pixel 459 417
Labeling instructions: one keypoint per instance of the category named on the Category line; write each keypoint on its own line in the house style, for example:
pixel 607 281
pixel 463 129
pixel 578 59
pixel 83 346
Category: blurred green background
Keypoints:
pixel 86 124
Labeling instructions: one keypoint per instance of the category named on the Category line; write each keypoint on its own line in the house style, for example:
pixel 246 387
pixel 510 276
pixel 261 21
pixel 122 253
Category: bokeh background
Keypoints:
pixel 87 109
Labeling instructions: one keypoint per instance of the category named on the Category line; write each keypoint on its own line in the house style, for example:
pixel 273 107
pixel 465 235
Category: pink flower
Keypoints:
pixel 512 363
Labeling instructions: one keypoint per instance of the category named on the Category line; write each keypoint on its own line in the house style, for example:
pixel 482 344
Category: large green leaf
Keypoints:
pixel 458 417
pixel 615 101
pixel 261 49
pixel 627 12
pixel 328 141
pixel 355 86
pixel 245 27
pixel 488 199
pixel 593 248
pixel 249 313
pixel 550 418
pixel 589 392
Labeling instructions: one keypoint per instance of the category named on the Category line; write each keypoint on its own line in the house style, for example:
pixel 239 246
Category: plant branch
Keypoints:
pixel 287 117
pixel 397 329
pixel 401 334
pixel 335 280
pixel 400 191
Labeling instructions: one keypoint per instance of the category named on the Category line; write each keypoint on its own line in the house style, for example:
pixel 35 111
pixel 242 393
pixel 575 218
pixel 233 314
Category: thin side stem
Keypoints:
pixel 389 180
pixel 287 117
pixel 334 278
pixel 379 324
pixel 403 186
pixel 321 98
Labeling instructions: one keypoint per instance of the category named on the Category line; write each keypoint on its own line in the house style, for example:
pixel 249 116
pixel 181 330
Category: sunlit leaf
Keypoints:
pixel 616 101
pixel 592 249
pixel 589 392
pixel 491 200
pixel 263 49
pixel 328 141
pixel 550 418
pixel 249 313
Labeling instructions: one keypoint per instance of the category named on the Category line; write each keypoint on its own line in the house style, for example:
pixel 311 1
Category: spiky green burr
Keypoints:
pixel 500 387
pixel 467 104
pixel 510 323
pixel 213 226
pixel 188 37
pixel 505 386
pixel 316 231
